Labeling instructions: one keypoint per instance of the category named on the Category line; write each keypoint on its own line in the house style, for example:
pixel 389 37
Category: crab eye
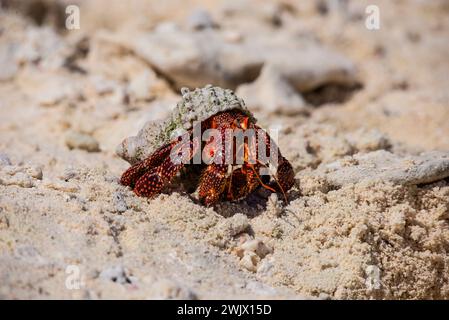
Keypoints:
pixel 244 123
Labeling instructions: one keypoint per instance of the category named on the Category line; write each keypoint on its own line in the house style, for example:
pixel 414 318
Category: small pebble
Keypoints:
pixel 256 246
pixel 19 179
pixel 250 261
pixel 200 19
pixel 119 202
pixel 76 140
pixel 117 274
pixel 61 186
pixel 233 36
pixel 169 289
pixel 22 176
pixel 4 160
pixel 265 267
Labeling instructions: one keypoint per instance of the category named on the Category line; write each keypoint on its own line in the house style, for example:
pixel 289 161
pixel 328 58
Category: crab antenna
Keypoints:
pixel 277 182
pixel 260 180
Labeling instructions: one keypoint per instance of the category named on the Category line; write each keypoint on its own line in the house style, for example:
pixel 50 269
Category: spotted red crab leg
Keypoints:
pixel 284 177
pixel 213 178
pixel 130 176
pixel 153 181
pixel 242 182
pixel 212 183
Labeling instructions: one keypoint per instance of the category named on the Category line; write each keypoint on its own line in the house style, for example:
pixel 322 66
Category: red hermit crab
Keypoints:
pixel 210 128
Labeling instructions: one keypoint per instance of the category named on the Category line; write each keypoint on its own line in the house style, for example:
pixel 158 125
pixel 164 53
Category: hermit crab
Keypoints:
pixel 211 132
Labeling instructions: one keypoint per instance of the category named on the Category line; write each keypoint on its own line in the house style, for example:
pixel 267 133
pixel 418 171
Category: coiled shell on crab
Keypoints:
pixel 197 105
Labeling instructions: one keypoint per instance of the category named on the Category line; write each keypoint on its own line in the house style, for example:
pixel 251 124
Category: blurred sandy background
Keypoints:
pixel 364 118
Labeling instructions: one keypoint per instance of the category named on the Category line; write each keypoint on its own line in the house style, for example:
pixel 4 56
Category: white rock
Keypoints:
pixel 166 26
pixel 232 36
pixel 256 246
pixel 20 179
pixel 260 288
pixel 8 65
pixel 23 176
pixel 77 140
pixel 397 220
pixel 140 87
pixel 4 160
pixel 194 59
pixel 272 93
pixel 34 172
pixel 265 267
pixel 51 94
pixel 43 45
pixel 119 202
pixel 61 185
pixel 103 86
pixel 386 166
pixel 200 19
pixel 249 261
pixel 169 289
pixel 116 274
pixel 274 207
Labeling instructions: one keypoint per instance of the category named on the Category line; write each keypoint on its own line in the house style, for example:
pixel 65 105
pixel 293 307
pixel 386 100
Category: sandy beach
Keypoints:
pixel 363 117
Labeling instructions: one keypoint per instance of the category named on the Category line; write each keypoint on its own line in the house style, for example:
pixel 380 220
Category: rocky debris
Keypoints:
pixel 119 202
pixel 52 93
pixel 4 160
pixel 127 67
pixel 24 176
pixel 144 86
pixel 272 93
pixel 166 26
pixel 25 45
pixel 102 86
pixel 41 12
pixel 368 140
pixel 232 36
pixel 331 94
pixel 19 179
pixel 117 274
pixel 43 46
pixel 223 233
pixel 249 261
pixel 257 246
pixel 264 290
pixel 4 221
pixel 313 183
pixel 78 140
pixel 263 14
pixel 251 252
pixel 139 87
pixel 385 166
pixel 317 143
pixel 169 289
pixel 265 267
pixel 196 59
pixel 200 19
pixel 274 206
pixel 60 185
pixel 37 53
pixel 69 173
pixel 8 65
